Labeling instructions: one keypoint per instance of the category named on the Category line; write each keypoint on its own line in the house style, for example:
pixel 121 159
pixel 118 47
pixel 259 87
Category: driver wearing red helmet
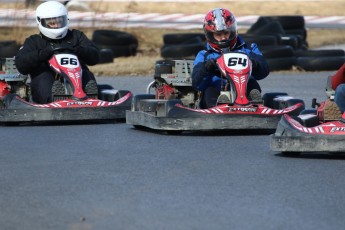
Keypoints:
pixel 220 29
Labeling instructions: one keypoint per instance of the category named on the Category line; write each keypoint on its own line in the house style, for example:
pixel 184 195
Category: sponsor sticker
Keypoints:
pixel 337 129
pixel 243 109
pixel 79 103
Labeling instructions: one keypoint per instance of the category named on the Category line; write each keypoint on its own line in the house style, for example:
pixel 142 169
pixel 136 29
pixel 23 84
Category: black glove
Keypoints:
pixel 80 51
pixel 45 54
pixel 210 65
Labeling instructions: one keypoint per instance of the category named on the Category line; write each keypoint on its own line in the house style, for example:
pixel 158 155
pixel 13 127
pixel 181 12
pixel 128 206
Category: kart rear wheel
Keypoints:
pixel 104 86
pixel 268 98
pixel 282 104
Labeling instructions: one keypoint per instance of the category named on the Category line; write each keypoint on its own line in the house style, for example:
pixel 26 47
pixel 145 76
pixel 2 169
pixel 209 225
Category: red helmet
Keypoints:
pixel 218 20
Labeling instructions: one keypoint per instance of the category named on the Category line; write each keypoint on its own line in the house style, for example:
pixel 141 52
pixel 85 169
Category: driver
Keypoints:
pixel 220 28
pixel 338 84
pixel 32 58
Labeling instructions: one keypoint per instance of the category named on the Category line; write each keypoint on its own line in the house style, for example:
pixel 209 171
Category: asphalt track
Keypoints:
pixel 111 176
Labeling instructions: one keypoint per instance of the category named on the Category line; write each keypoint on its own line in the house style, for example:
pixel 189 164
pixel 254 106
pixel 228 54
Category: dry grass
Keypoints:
pixel 150 40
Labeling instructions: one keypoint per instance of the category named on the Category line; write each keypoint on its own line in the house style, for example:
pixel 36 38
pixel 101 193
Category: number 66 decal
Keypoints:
pixel 68 60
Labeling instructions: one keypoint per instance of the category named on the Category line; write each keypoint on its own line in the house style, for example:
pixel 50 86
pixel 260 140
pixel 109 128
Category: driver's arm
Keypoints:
pixel 201 75
pixel 31 55
pixel 85 49
pixel 339 77
pixel 260 68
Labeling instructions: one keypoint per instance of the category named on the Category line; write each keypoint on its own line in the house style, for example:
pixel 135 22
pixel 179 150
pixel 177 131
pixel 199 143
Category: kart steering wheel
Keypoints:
pixel 61 49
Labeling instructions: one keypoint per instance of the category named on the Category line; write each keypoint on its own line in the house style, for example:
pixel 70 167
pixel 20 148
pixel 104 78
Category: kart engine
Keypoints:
pixel 11 81
pixel 173 81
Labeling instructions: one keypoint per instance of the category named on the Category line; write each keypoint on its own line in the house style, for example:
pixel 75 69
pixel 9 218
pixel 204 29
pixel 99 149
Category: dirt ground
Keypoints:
pixel 150 40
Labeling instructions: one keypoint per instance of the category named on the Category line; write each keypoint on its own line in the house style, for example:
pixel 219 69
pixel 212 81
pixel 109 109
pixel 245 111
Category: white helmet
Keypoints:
pixel 52 19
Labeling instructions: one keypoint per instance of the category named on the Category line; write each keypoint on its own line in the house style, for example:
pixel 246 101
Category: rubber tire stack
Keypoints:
pixel 8 48
pixel 290 47
pixel 114 43
pixel 182 45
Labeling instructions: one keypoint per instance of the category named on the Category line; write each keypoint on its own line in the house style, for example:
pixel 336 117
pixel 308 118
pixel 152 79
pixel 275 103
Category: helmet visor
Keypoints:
pixel 228 34
pixel 55 22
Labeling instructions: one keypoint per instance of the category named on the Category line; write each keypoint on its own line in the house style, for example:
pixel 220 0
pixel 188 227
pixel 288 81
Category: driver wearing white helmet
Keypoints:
pixel 32 58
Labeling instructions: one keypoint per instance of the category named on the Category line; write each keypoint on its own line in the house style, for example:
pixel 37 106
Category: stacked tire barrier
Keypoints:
pixel 283 41
pixel 182 45
pixel 8 48
pixel 113 43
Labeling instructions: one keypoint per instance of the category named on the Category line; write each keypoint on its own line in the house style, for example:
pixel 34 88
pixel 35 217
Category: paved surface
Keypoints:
pixel 111 176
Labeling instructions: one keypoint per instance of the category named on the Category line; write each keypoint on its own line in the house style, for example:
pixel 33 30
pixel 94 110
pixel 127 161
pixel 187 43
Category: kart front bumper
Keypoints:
pixel 198 121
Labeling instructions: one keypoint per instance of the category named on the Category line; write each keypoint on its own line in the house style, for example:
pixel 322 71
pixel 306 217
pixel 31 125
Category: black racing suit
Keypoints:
pixel 33 58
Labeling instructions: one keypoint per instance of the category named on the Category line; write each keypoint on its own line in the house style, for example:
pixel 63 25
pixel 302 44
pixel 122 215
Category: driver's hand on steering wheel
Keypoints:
pixel 46 53
pixel 210 65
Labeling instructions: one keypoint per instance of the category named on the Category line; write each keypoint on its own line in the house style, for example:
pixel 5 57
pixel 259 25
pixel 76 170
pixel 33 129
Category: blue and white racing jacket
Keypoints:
pixel 202 79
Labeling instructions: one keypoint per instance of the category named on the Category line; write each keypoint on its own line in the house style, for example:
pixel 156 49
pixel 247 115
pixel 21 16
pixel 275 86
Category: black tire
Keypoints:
pixel 8 51
pixel 299 40
pixel 268 98
pixel 106 56
pixel 165 61
pixel 289 22
pixel 283 104
pixel 299 32
pixel 311 120
pixel 104 86
pixel 270 28
pixel 284 63
pixel 8 43
pixel 261 22
pixel 277 51
pixel 174 39
pixel 308 111
pixel 113 38
pixel 320 63
pixel 319 53
pixel 261 40
pixel 181 51
pixel 122 93
pixel 121 51
pixel 290 40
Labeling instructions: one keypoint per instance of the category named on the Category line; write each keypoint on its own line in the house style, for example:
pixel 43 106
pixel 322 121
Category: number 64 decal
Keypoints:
pixel 233 61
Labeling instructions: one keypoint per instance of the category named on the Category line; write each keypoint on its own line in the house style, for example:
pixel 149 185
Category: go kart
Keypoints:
pixel 321 129
pixel 69 101
pixel 175 106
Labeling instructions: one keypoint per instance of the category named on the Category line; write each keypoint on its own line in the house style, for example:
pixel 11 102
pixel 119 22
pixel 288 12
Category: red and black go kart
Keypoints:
pixel 321 129
pixel 175 105
pixel 70 102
